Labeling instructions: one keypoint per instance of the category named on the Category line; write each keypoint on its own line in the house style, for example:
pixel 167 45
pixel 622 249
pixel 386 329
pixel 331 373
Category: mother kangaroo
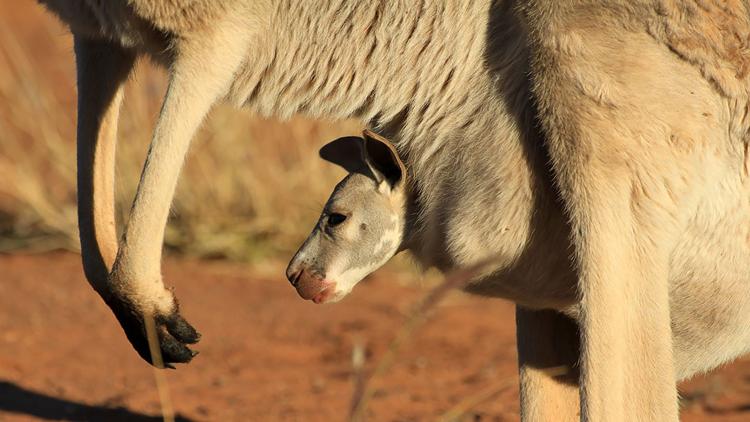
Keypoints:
pixel 618 126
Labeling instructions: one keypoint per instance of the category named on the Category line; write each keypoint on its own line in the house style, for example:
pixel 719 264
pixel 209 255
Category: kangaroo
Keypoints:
pixel 614 132
pixel 375 212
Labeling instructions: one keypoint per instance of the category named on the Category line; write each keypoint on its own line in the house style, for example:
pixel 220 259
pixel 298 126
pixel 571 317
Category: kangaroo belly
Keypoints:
pixel 710 281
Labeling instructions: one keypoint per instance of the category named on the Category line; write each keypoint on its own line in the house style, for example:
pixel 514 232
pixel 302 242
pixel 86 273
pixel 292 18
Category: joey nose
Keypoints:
pixel 293 273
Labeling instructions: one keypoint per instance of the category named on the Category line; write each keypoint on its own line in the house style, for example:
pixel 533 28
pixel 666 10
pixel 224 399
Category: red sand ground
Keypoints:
pixel 268 355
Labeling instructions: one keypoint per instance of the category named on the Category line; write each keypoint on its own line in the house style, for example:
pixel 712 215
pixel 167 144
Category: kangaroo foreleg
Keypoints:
pixel 201 75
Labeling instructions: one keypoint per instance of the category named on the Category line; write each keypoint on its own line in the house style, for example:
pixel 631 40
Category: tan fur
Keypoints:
pixel 647 150
pixel 99 98
pixel 639 106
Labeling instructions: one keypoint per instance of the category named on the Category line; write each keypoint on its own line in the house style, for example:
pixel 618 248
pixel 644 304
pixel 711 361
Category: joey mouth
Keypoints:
pixel 327 294
pixel 312 286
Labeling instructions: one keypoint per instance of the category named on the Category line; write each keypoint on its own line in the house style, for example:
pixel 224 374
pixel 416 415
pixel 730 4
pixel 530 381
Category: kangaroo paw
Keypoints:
pixel 173 332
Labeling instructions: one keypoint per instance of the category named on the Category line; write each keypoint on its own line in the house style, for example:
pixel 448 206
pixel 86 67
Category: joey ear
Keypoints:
pixel 345 152
pixel 383 160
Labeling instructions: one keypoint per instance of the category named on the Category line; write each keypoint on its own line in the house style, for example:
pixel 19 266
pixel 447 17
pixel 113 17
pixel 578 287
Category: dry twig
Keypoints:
pixel 162 385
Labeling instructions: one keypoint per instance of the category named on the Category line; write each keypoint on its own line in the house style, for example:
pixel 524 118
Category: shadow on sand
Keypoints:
pixel 16 399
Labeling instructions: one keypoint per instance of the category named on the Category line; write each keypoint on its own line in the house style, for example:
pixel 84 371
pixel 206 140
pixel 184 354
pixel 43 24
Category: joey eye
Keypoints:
pixel 334 219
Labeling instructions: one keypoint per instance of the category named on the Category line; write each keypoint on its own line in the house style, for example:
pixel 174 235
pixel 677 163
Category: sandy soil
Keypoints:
pixel 267 355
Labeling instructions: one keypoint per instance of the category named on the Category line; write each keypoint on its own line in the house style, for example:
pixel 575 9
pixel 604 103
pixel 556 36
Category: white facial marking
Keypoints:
pixel 390 237
pixel 347 277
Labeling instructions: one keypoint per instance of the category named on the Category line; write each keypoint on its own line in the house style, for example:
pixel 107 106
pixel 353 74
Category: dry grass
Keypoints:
pixel 251 188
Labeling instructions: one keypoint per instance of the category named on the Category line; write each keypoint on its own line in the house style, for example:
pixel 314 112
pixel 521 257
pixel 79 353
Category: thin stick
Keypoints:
pixel 359 375
pixel 162 386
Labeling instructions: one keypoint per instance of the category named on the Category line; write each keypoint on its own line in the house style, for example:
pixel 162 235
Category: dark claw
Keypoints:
pixel 172 350
pixel 182 330
pixel 173 331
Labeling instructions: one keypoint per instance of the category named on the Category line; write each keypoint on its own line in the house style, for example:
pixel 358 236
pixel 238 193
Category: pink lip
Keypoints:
pixel 325 294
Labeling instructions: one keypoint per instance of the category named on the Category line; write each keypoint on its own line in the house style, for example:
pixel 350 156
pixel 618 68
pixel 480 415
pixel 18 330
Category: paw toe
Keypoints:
pixel 182 330
pixel 173 351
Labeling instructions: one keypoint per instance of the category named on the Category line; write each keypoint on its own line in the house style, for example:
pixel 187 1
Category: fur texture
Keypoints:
pixel 614 132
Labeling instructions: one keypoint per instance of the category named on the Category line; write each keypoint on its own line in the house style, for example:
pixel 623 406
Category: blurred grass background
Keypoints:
pixel 251 188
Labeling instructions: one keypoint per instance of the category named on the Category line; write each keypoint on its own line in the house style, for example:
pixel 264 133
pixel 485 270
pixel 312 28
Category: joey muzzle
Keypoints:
pixel 309 283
